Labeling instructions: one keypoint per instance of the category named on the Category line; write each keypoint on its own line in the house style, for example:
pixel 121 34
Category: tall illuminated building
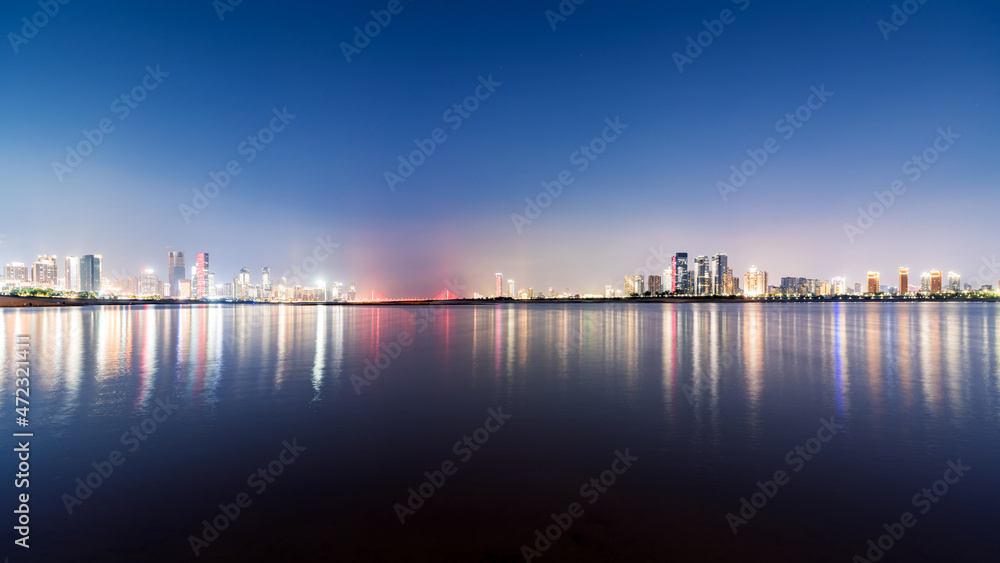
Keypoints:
pixel 510 288
pixel 703 276
pixel 954 282
pixel 149 283
pixel 720 265
pixel 176 270
pixel 668 276
pixel 352 293
pixel 904 281
pixel 655 284
pixel 873 283
pixel 90 273
pixel 925 282
pixel 637 282
pixel 839 285
pixel 755 282
pixel 72 280
pixel 935 281
pixel 629 286
pixel 682 282
pixel 201 276
pixel 44 272
pixel 499 292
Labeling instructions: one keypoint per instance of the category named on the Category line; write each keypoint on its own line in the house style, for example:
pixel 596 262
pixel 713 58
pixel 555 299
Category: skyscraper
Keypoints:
pixel 682 283
pixel 201 276
pixel 954 282
pixel 935 281
pixel 639 286
pixel 175 270
pixel 510 289
pixel 352 293
pixel 90 273
pixel 44 272
pixel 72 282
pixel 655 284
pixel 904 281
pixel 925 282
pixel 149 283
pixel 721 266
pixel 873 283
pixel 703 276
pixel 499 292
pixel 755 282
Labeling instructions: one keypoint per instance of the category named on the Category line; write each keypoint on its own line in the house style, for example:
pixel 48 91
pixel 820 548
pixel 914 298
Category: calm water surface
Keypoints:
pixel 711 399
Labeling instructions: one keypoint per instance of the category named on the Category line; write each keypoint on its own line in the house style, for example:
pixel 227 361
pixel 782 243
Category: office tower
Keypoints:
pixel 682 283
pixel 609 292
pixel 703 276
pixel 90 273
pixel 825 288
pixel 72 273
pixel 873 283
pixel 175 270
pixel 954 282
pixel 904 281
pixel 720 264
pixel 43 271
pixel 149 283
pixel 352 293
pixel 629 286
pixel 925 282
pixel 16 272
pixel 510 288
pixel 201 275
pixel 655 284
pixel 212 293
pixel 935 281
pixel 499 292
pixel 668 276
pixel 265 276
pixel 638 285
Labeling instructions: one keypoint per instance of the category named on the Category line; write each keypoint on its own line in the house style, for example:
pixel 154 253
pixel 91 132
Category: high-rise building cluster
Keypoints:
pixel 87 275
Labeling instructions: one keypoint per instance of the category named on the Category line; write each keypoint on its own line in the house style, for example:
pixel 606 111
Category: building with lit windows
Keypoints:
pixel 90 273
pixel 925 282
pixel 176 270
pixel 149 283
pixel 655 284
pixel 873 283
pixel 638 285
pixel 936 281
pixel 703 276
pixel 755 282
pixel 16 273
pixel 954 282
pixel 44 272
pixel 904 281
pixel 682 282
pixel 499 292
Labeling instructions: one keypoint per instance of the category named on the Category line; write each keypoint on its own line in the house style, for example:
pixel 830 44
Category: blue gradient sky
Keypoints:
pixel 655 186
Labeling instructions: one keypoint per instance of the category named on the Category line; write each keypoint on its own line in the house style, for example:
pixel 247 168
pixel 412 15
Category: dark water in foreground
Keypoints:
pixel 710 398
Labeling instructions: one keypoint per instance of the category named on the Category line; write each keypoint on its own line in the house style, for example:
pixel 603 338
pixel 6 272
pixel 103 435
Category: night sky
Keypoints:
pixel 897 89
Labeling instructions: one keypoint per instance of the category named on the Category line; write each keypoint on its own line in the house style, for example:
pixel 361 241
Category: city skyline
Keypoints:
pixel 825 161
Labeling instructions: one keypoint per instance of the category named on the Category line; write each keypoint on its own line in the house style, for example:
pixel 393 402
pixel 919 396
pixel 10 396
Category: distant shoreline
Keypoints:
pixel 15 301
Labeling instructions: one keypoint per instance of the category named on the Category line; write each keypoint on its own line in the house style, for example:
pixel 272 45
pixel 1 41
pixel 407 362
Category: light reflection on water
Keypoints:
pixel 713 394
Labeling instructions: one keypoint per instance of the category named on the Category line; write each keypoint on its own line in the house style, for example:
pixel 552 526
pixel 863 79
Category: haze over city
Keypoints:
pixel 350 114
